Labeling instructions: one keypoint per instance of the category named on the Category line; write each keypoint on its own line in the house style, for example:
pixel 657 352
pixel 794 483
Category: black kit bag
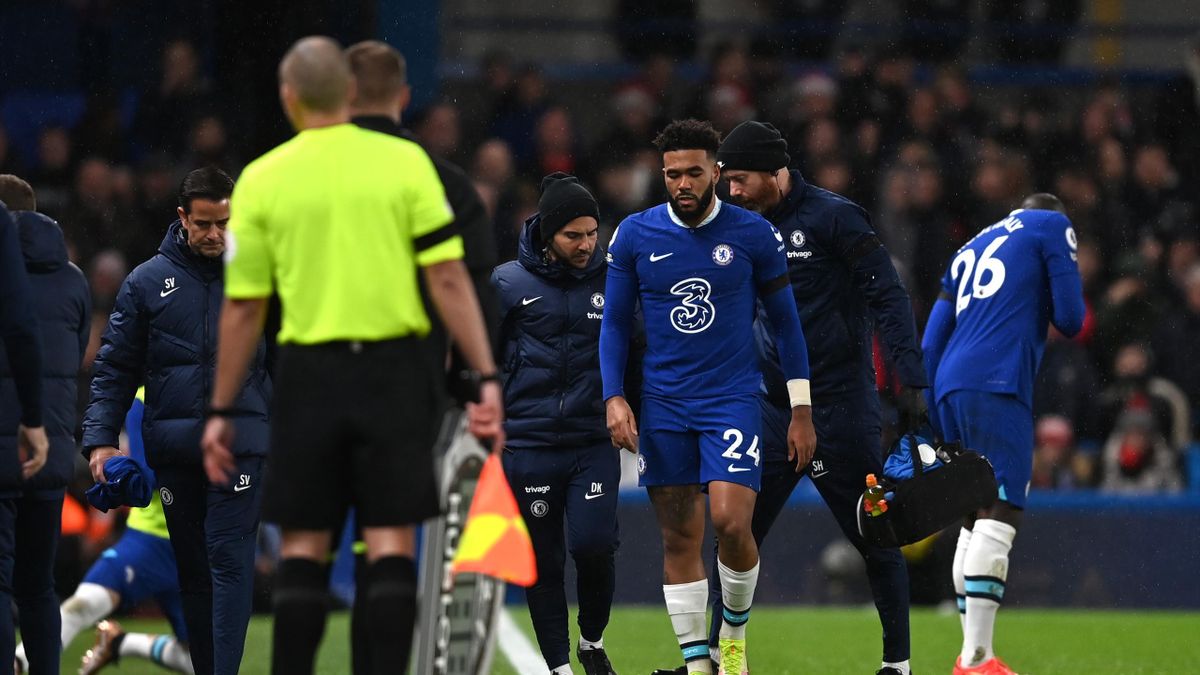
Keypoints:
pixel 960 483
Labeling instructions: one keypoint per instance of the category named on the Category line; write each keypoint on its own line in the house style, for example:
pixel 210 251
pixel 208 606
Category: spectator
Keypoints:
pixel 1137 459
pixel 516 116
pixel 441 132
pixel 1001 178
pixel 1137 390
pixel 166 115
pixel 555 145
pixel 1176 344
pixel 1128 311
pixel 8 159
pixel 1057 465
pixel 55 170
pixel 1068 387
pixel 208 145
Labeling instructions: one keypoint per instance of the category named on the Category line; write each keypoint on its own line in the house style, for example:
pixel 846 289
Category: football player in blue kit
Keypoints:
pixel 983 344
pixel 698 266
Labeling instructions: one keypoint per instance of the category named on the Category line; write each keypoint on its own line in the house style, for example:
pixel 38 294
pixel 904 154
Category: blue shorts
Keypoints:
pixel 999 427
pixel 141 566
pixel 695 441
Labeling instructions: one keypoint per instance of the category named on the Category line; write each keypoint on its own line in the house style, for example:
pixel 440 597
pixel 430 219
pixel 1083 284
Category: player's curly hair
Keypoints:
pixel 689 134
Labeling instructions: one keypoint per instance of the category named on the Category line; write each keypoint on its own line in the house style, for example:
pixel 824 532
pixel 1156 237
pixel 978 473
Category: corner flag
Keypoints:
pixel 495 541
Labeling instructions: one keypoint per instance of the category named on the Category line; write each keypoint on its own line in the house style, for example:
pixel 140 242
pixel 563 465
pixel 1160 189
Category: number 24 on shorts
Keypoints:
pixel 735 438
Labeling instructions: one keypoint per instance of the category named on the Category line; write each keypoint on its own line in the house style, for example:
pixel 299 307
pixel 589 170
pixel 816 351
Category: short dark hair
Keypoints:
pixel 207 183
pixel 379 71
pixel 16 193
pixel 1045 202
pixel 689 134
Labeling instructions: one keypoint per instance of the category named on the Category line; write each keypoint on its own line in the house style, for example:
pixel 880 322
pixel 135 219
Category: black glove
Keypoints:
pixel 912 411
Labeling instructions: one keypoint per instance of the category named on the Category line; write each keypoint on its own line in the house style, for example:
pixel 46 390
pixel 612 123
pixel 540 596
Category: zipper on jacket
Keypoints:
pixel 564 355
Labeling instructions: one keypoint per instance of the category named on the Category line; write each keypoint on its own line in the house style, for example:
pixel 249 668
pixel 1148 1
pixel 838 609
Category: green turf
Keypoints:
pixel 834 640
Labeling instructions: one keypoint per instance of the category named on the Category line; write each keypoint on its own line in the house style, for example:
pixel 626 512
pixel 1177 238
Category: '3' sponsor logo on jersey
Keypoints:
pixel 695 312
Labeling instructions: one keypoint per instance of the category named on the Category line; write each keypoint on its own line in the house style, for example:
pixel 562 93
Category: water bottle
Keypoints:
pixel 874 500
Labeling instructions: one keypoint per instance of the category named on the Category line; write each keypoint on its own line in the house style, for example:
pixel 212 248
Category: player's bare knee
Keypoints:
pixel 680 542
pixel 732 529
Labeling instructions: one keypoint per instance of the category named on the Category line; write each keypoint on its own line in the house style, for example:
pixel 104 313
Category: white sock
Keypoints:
pixel 585 644
pixel 164 650
pixel 985 571
pixel 564 669
pixel 687 605
pixel 19 655
pixel 737 594
pixel 901 666
pixel 89 604
pixel 960 588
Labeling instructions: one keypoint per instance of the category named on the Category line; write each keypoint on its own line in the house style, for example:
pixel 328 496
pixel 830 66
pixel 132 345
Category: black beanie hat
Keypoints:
pixel 753 146
pixel 563 200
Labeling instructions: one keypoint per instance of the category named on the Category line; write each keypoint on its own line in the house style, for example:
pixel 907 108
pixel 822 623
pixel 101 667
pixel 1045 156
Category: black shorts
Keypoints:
pixel 353 424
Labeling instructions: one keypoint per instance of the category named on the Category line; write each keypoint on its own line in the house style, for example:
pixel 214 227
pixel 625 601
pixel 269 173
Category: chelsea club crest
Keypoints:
pixel 722 254
pixel 798 238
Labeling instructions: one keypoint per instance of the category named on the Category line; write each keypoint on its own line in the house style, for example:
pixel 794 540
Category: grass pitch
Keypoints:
pixel 792 640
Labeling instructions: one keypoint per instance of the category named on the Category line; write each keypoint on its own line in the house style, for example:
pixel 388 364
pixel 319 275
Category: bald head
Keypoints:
pixel 1044 201
pixel 317 73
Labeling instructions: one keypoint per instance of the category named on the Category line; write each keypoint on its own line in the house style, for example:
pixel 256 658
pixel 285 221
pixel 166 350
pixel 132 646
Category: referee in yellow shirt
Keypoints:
pixel 325 220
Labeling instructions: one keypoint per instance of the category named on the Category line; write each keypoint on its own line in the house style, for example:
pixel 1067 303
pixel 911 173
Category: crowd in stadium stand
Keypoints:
pixel 933 157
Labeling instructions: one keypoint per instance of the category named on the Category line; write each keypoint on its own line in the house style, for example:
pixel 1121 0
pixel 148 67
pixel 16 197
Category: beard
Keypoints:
pixel 692 215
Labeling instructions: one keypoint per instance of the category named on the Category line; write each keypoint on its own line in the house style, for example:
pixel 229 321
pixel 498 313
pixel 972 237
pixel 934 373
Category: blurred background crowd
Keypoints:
pixel 937 128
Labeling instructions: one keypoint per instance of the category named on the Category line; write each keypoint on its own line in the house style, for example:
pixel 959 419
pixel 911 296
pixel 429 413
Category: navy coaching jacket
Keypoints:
pixel 844 284
pixel 64 308
pixel 550 347
pixel 163 333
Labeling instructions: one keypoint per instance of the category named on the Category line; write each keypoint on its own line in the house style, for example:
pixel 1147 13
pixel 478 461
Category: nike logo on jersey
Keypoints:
pixel 530 301
pixel 169 282
pixel 590 496
pixel 596 491
pixel 737 469
pixel 655 257
pixel 163 294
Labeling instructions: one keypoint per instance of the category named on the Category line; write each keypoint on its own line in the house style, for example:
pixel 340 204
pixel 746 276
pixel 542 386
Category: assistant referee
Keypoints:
pixel 325 221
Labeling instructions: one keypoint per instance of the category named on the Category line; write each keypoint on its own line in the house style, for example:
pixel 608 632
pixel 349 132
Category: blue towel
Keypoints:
pixel 127 485
pixel 899 464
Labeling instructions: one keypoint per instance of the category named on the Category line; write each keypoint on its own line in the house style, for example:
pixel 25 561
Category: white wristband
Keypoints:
pixel 798 392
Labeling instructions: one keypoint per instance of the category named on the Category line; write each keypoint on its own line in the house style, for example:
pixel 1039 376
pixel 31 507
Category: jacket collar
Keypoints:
pixel 175 248
pixel 791 201
pixel 530 255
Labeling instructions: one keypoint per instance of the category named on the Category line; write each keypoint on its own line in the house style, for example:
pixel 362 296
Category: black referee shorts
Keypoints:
pixel 353 424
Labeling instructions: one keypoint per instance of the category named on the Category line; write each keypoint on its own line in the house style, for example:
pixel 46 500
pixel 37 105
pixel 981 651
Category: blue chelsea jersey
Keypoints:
pixel 697 288
pixel 1006 285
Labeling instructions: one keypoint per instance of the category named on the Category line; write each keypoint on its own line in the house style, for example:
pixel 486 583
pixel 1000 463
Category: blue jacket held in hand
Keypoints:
pixel 163 334
pixel 550 347
pixel 63 305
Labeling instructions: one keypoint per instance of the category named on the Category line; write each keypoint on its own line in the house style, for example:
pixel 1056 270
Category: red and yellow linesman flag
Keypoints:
pixel 495 541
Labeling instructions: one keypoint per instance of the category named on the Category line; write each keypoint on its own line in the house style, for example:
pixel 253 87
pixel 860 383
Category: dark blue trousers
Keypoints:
pixel 213 531
pixel 29 529
pixel 848 448
pixel 581 485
